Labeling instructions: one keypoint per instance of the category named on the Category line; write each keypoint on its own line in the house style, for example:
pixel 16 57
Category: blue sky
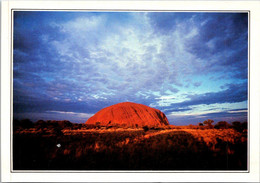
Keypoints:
pixel 192 66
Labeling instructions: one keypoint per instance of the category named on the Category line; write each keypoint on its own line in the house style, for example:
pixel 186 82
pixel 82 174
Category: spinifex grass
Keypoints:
pixel 132 149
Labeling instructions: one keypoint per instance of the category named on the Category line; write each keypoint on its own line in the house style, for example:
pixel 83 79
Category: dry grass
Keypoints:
pixel 130 149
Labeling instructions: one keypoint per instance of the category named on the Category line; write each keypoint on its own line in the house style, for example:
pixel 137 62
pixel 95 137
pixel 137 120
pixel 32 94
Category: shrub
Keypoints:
pixel 89 126
pixel 222 125
pixel 26 123
pixel 244 125
pixel 145 128
pixel 238 126
pixel 191 126
pixel 208 123
pixel 57 131
pixel 97 125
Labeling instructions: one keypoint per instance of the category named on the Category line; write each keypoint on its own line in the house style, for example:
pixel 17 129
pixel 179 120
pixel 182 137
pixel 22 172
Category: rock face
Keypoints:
pixel 130 115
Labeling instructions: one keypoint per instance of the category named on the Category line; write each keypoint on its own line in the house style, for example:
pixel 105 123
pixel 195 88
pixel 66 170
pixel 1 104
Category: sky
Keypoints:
pixel 192 66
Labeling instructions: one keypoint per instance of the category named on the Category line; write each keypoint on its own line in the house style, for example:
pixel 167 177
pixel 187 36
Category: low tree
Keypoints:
pixel 222 125
pixel 208 123
pixel 58 131
pixel 98 124
pixel 236 123
pixel 191 126
pixel 237 126
pixel 40 124
pixel 244 125
pixel 16 124
pixel 26 123
pixel 65 124
pixel 145 128
pixel 200 124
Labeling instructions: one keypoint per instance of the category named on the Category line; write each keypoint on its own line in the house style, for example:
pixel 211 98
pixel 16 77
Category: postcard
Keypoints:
pixel 105 91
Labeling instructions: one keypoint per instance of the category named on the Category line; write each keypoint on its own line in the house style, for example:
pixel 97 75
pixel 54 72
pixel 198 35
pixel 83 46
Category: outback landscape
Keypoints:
pixel 62 145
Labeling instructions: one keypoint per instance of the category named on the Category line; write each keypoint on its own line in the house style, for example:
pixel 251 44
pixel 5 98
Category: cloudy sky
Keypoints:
pixel 192 66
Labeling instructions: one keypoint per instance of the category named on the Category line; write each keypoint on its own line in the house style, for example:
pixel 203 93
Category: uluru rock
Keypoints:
pixel 129 114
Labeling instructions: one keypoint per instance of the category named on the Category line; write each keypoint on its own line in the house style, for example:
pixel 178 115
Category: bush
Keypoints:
pixel 208 123
pixel 222 125
pixel 58 131
pixel 89 126
pixel 238 126
pixel 244 125
pixel 145 128
pixel 24 123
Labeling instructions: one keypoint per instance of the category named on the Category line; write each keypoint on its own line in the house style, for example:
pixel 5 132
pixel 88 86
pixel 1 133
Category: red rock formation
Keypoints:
pixel 129 114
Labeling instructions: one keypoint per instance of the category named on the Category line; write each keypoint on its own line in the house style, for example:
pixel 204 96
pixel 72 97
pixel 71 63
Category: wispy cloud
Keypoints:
pixel 78 114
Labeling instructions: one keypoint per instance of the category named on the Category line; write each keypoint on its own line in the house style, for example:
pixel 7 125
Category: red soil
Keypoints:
pixel 129 114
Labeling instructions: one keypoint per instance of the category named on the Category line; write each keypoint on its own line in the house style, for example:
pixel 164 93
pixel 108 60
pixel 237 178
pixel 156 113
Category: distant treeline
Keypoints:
pixel 65 124
pixel 237 125
pixel 27 123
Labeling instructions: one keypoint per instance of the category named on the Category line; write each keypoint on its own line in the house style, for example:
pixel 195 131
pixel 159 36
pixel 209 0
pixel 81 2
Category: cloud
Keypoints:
pixel 75 114
pixel 229 116
pixel 197 84
pixel 244 110
pixel 233 94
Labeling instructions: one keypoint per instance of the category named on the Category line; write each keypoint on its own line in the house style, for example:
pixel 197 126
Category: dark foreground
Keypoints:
pixel 130 149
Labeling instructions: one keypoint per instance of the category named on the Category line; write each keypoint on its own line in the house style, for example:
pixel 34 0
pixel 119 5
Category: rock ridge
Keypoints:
pixel 129 114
